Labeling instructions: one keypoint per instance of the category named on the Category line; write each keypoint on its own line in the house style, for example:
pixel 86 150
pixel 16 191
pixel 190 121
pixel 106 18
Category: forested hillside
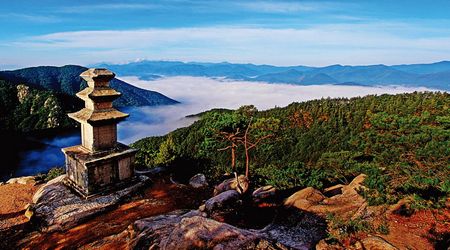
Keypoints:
pixel 25 109
pixel 39 97
pixel 67 80
pixel 402 142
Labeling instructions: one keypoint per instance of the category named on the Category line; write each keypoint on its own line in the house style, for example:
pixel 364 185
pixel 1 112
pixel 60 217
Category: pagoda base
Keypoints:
pixel 100 172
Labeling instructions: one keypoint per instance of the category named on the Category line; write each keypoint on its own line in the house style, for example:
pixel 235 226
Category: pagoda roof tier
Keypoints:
pixel 98 93
pixel 98 116
pixel 97 77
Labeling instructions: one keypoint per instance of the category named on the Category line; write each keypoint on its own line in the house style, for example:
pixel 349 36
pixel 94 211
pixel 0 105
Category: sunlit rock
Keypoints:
pixel 264 193
pixel 57 207
pixel 22 180
pixel 240 184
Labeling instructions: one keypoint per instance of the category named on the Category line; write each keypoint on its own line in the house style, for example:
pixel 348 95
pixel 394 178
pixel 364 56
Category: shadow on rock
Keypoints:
pixel 296 229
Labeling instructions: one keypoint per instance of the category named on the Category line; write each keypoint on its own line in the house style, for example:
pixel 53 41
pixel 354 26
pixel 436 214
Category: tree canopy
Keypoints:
pixel 402 142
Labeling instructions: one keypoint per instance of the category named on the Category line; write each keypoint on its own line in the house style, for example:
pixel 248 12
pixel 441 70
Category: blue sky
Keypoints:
pixel 316 33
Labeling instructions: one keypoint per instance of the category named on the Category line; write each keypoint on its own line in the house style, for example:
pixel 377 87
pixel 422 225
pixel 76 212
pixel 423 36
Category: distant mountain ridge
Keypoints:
pixel 67 80
pixel 40 97
pixel 433 75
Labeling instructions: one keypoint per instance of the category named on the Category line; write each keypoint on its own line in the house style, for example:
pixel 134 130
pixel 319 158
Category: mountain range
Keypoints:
pixel 38 98
pixel 66 80
pixel 433 75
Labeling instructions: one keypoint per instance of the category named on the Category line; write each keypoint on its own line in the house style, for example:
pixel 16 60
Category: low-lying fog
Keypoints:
pixel 198 94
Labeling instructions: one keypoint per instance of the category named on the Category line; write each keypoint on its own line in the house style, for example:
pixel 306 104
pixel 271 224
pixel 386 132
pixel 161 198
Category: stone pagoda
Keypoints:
pixel 100 163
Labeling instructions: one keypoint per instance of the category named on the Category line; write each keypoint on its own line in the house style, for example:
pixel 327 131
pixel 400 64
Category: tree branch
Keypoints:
pixel 259 140
pixel 223 149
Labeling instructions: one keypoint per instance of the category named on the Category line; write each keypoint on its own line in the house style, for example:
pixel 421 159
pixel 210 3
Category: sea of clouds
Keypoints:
pixel 198 94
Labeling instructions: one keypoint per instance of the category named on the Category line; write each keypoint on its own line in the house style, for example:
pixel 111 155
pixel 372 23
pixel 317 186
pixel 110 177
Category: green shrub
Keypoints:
pixel 383 228
pixel 343 228
pixel 54 172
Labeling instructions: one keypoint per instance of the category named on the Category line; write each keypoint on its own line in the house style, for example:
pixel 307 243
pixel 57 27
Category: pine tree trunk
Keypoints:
pixel 233 157
pixel 247 160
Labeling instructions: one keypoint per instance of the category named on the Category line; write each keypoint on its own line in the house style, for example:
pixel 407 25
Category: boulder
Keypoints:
pixel 26 180
pixel 377 243
pixel 198 181
pixel 264 193
pixel 323 245
pixel 202 233
pixel 349 204
pixel 221 202
pixel 296 229
pixel 355 184
pixel 334 190
pixel 305 198
pixel 240 184
pixel 56 207
pixel 181 230
pixel 149 233
pixel 402 207
pixel 192 230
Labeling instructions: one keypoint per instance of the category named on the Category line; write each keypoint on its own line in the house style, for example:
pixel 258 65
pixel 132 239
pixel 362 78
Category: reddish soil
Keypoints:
pixel 160 198
pixel 426 229
pixel 13 199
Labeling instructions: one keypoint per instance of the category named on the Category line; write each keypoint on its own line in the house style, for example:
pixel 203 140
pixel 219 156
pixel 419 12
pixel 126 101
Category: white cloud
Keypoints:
pixel 199 94
pixel 30 17
pixel 107 7
pixel 365 43
pixel 282 7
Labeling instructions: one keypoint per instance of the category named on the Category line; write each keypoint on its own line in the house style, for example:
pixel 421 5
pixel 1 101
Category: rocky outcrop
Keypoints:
pixel 198 181
pixel 223 204
pixel 203 233
pixel 22 180
pixel 56 207
pixel 192 230
pixel 402 207
pixel 222 200
pixel 305 198
pixel 376 243
pixel 296 229
pixel 54 110
pixel 334 190
pixel 348 204
pixel 22 92
pixel 239 183
pixel 323 245
pixel 151 232
pixel 264 193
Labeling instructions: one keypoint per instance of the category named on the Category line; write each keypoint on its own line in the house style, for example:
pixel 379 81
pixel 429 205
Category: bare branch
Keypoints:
pixel 259 140
pixel 223 149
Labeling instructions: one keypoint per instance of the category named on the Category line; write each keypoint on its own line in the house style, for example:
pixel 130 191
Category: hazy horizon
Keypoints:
pixel 313 33
pixel 93 65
